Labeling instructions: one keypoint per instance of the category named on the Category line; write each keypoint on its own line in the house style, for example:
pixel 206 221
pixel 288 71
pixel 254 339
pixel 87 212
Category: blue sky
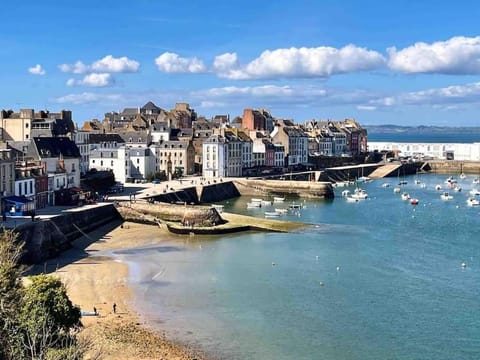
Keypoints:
pixel 380 62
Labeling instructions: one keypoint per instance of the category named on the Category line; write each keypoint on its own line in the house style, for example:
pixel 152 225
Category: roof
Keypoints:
pixel 150 106
pixel 56 146
pixel 100 138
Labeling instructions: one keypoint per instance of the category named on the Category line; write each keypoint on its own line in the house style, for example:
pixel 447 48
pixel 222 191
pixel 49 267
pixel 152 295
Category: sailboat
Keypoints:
pixel 403 181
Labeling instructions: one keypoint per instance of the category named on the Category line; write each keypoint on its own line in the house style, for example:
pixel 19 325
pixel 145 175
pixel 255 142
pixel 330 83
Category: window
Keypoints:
pixel 25 187
pixel 101 162
pixel 138 161
pixel 111 163
pixel 31 187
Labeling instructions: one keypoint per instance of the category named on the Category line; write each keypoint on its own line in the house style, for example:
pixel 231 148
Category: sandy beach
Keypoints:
pixel 98 282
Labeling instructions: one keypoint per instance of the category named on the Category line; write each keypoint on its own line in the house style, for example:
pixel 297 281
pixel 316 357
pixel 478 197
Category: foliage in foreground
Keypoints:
pixel 38 320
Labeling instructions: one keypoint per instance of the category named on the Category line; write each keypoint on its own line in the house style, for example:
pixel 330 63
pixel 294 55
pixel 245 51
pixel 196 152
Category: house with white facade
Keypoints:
pixel 181 155
pixel 215 156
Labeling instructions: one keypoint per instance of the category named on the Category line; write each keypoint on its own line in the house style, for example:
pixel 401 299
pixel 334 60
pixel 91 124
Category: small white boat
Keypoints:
pixel 450 180
pixel 256 200
pixel 438 187
pixel 473 202
pixel 417 181
pixel 474 192
pixel 396 190
pixel 476 181
pixel 385 185
pixel 266 203
pixel 278 199
pixel 295 206
pixel 364 179
pixel 351 199
pixel 405 196
pixel 359 194
pixel 457 188
pixel 281 211
pixel 414 201
pixel 254 204
pixel 271 214
pixel 423 185
pixel 345 192
pixel 462 176
pixel 218 207
pixel 446 196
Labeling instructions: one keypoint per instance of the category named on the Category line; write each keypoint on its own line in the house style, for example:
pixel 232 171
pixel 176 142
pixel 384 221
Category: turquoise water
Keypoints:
pixel 377 279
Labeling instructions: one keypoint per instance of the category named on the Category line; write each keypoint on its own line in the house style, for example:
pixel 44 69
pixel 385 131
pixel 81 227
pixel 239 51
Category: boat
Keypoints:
pixel 462 176
pixel 438 187
pixel 272 214
pixel 402 182
pixel 396 190
pixel 457 188
pixel 446 196
pixel 278 199
pixel 405 196
pixel 256 200
pixel 473 202
pixel 414 201
pixel 476 181
pixel 266 202
pixel 474 192
pixel 345 192
pixel 450 180
pixel 359 194
pixel 254 204
pixel 351 199
pixel 295 206
pixel 218 207
pixel 423 185
pixel 364 179
pixel 385 185
pixel 281 211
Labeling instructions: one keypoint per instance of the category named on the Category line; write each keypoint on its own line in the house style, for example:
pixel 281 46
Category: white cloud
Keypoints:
pixel 172 63
pixel 458 55
pixel 446 97
pixel 211 104
pixel 88 98
pixel 108 64
pixel 366 107
pixel 93 80
pixel 77 68
pixel 300 63
pixel 36 70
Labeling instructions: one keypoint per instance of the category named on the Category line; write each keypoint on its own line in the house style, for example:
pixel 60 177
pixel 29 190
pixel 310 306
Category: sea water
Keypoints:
pixel 376 279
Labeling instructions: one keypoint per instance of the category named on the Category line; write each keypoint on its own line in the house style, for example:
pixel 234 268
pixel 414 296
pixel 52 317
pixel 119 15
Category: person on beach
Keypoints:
pixel 95 311
pixel 114 308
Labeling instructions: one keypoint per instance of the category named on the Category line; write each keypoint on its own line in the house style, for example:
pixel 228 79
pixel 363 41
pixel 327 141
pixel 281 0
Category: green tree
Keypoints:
pixel 10 293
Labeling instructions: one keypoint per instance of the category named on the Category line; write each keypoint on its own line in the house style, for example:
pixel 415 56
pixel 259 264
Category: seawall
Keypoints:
pixel 306 189
pixel 455 167
pixel 48 237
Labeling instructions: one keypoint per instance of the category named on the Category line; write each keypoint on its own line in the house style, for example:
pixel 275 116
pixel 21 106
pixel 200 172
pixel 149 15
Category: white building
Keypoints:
pixel 452 151
pixel 180 153
pixel 215 156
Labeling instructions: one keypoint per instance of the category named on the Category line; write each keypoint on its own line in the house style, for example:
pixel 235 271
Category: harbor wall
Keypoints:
pixel 46 238
pixel 455 167
pixel 307 189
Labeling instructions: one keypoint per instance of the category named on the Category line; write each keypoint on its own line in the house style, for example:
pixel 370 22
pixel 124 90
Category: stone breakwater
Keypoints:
pixel 305 189
pixel 455 167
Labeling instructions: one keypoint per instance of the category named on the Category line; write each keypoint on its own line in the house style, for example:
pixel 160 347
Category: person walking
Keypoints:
pixel 114 308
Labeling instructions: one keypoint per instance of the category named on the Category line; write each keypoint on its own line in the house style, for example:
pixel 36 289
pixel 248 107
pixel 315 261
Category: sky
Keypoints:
pixel 379 62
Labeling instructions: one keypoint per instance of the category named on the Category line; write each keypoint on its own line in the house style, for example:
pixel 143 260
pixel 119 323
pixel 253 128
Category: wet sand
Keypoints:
pixel 99 281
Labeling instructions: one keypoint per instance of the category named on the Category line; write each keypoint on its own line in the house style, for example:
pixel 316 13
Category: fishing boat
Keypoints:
pixel 254 204
pixel 278 199
pixel 405 196
pixel 345 192
pixel 351 199
pixel 359 194
pixel 414 201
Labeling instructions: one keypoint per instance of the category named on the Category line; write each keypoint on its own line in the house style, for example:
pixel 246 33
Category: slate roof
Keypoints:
pixel 150 106
pixel 110 138
pixel 56 146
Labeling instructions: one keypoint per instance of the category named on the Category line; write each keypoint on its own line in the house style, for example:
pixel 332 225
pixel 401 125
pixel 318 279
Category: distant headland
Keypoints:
pixel 388 128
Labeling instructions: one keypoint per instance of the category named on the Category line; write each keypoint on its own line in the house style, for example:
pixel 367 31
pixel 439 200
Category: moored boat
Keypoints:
pixel 414 201
pixel 473 202
pixel 405 196
pixel 446 196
